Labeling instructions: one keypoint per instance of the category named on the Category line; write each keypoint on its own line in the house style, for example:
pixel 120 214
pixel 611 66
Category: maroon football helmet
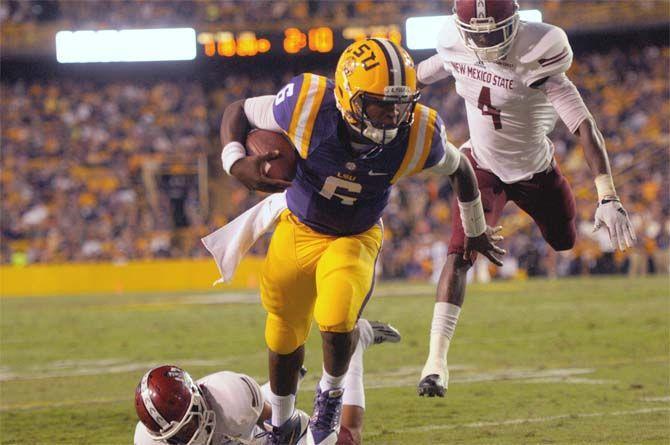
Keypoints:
pixel 172 408
pixel 487 27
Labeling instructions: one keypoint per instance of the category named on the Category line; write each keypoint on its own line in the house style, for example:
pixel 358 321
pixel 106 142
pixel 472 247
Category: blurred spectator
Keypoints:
pixel 96 172
pixel 84 14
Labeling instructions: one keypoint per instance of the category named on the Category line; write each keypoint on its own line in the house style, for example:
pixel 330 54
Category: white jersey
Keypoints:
pixel 508 119
pixel 237 402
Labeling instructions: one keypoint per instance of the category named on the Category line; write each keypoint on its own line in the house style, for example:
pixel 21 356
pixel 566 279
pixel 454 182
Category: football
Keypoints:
pixel 264 141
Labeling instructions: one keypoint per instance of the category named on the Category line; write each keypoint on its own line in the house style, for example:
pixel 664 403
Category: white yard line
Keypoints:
pixel 656 399
pixel 559 375
pixel 423 429
pixel 30 406
pixel 400 377
pixel 253 297
pixel 102 367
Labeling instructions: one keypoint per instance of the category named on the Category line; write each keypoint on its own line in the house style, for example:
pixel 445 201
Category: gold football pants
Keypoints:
pixel 308 275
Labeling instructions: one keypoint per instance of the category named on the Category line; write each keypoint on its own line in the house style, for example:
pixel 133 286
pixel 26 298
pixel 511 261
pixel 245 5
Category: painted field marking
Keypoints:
pixel 558 375
pixel 404 376
pixel 30 406
pixel 109 366
pixel 423 429
pixel 656 399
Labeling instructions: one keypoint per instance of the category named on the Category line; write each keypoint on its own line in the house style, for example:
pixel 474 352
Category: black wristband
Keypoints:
pixel 607 199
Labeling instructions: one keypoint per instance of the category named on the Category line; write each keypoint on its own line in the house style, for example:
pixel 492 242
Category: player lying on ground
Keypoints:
pixel 355 138
pixel 511 75
pixel 230 408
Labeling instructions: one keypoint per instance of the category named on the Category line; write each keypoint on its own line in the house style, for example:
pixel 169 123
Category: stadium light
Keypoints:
pixel 422 32
pixel 128 45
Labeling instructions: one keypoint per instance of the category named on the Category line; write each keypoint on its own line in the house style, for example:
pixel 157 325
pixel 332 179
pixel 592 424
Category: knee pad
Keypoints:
pixel 283 336
pixel 337 310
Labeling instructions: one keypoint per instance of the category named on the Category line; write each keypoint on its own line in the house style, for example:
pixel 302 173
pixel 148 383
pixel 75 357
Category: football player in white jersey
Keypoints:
pixel 230 408
pixel 511 75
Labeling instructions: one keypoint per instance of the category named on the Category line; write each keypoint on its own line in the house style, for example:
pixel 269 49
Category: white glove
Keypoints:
pixel 611 214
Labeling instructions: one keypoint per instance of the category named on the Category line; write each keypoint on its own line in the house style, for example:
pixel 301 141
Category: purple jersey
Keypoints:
pixel 336 192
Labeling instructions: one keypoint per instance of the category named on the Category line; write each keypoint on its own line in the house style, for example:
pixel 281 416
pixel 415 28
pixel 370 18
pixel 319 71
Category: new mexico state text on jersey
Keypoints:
pixel 508 119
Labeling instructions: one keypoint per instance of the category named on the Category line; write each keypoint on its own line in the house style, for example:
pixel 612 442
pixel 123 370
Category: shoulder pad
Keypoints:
pixel 423 140
pixel 450 45
pixel 448 37
pixel 548 51
pixel 297 106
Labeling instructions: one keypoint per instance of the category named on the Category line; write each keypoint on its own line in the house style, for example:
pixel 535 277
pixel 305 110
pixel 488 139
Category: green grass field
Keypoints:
pixel 562 362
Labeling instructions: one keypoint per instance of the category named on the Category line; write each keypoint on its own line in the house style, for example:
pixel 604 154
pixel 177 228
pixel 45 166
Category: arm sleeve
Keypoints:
pixel 286 102
pixel 432 70
pixel 442 152
pixel 566 100
pixel 260 114
pixel 298 111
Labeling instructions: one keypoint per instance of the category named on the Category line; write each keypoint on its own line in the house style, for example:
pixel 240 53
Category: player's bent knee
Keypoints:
pixel 283 337
pixel 565 241
pixel 338 311
pixel 458 263
pixel 331 318
pixel 336 325
pixel 348 437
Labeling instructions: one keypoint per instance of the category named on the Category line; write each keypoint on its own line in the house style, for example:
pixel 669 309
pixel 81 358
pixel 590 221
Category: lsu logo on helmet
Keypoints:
pixel 380 73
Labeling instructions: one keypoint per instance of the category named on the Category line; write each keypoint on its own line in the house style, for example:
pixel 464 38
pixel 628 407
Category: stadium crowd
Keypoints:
pixel 107 171
pixel 84 14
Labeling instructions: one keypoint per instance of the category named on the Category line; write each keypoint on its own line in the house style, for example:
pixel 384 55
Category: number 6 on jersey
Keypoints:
pixel 331 185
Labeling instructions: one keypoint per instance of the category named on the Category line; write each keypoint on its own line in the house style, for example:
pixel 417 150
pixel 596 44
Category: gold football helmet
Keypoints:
pixel 375 88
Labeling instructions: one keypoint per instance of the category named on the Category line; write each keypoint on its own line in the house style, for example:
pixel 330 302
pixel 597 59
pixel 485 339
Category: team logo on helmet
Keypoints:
pixel 375 89
pixel 349 66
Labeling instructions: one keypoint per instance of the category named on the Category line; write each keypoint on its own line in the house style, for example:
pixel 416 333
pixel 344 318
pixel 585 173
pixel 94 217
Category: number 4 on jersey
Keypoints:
pixel 484 104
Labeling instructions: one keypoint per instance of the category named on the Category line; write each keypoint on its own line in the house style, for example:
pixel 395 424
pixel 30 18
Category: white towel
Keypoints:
pixel 231 242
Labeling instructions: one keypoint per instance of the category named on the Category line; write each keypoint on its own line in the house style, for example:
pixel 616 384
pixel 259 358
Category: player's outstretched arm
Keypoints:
pixel 480 237
pixel 430 71
pixel 249 170
pixel 610 212
pixel 569 105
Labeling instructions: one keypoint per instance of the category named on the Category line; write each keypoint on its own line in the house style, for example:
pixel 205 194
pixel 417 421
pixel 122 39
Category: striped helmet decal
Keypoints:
pixel 480 9
pixel 149 405
pixel 394 62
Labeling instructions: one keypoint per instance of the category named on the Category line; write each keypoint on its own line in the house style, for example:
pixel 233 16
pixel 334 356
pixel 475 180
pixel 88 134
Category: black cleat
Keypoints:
pixel 431 386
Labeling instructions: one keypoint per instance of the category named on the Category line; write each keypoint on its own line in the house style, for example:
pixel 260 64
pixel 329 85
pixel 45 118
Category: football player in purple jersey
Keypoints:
pixel 355 138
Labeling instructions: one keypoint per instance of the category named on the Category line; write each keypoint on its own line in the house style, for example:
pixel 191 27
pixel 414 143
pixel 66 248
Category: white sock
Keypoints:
pixel 329 382
pixel 266 391
pixel 282 408
pixel 445 318
pixel 354 393
pixel 366 336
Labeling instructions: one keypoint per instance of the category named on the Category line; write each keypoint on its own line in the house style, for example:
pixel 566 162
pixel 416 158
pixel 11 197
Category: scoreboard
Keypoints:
pixel 292 40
